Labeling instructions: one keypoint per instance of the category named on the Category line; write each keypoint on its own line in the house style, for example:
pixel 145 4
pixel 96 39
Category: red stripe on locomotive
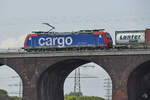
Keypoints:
pixel 27 37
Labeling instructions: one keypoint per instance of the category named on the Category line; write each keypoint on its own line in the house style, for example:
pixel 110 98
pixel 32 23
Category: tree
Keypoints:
pixel 83 98
pixel 79 96
pixel 3 92
pixel 4 96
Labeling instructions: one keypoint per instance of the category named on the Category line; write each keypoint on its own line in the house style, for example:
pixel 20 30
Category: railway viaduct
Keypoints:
pixel 43 74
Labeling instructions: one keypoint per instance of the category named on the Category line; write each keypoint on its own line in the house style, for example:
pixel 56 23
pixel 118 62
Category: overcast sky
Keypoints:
pixel 20 17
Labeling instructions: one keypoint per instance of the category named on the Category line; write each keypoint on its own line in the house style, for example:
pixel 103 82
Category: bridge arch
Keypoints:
pixel 11 81
pixel 94 82
pixel 13 68
pixel 138 85
pixel 51 81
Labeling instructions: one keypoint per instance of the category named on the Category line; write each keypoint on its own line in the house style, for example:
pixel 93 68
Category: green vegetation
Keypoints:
pixel 3 92
pixel 82 98
pixel 74 94
pixel 4 96
pixel 16 98
pixel 70 96
pixel 79 96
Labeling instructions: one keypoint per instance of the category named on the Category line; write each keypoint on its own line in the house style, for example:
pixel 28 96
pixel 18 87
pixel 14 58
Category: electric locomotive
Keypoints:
pixel 82 39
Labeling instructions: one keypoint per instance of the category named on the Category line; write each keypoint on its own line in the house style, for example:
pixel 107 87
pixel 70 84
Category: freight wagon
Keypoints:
pixel 83 39
pixel 132 39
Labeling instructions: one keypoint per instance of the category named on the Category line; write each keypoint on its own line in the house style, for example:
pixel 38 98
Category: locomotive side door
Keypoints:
pixel 100 40
pixel 30 43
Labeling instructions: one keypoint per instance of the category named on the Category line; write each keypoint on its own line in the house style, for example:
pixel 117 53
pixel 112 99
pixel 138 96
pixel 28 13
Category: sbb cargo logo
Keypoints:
pixel 55 41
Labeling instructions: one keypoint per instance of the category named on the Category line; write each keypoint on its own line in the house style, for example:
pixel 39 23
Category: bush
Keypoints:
pixel 4 96
pixel 83 98
pixel 15 98
pixel 3 92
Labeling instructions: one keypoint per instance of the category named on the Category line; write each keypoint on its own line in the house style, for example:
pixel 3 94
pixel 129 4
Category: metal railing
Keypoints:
pixel 20 50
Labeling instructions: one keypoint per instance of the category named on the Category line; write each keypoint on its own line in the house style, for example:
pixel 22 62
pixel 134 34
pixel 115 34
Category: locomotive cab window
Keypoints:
pixel 108 36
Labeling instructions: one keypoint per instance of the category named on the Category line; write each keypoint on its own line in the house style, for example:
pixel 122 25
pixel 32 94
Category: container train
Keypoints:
pixel 86 39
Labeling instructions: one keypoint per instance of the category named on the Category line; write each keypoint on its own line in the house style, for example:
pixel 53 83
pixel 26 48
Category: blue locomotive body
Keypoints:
pixel 65 40
pixel 49 41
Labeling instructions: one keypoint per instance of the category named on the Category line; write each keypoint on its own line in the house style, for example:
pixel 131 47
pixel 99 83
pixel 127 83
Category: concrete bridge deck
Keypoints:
pixel 9 54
